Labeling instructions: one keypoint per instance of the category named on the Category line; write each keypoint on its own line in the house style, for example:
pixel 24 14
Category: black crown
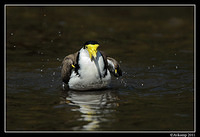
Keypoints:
pixel 91 42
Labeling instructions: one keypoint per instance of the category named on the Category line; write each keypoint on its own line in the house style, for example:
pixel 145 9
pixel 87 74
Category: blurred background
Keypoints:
pixel 153 44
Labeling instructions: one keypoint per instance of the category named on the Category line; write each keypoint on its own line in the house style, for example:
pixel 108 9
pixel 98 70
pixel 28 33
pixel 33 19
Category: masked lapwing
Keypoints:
pixel 89 68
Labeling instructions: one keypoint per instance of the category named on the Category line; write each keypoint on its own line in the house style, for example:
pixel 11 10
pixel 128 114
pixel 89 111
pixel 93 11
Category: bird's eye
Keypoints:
pixel 85 47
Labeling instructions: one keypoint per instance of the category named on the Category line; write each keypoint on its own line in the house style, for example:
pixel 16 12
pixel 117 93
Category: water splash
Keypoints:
pixel 59 33
pixel 124 82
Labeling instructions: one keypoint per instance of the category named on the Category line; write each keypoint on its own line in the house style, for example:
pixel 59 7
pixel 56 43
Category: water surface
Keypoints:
pixel 154 46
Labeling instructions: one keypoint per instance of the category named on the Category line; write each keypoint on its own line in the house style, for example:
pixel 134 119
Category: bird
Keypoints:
pixel 89 68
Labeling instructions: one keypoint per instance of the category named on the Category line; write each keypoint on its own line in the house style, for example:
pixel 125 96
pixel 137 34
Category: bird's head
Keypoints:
pixel 91 46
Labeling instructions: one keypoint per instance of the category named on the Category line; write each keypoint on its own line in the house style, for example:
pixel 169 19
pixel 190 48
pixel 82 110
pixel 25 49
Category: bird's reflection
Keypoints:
pixel 95 106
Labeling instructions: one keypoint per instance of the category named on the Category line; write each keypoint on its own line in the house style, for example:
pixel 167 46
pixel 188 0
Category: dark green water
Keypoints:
pixel 154 45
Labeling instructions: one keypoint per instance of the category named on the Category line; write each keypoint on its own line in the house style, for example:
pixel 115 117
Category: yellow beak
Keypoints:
pixel 92 49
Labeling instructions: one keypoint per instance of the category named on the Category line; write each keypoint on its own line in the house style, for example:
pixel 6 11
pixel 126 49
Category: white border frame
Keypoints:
pixel 101 5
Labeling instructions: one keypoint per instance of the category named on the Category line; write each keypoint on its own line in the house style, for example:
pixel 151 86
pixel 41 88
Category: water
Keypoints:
pixel 154 46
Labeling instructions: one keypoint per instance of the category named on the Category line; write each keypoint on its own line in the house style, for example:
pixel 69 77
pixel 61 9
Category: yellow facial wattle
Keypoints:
pixel 92 49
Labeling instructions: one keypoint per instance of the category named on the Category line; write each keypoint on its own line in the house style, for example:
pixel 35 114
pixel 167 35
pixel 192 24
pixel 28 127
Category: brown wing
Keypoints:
pixel 67 66
pixel 112 65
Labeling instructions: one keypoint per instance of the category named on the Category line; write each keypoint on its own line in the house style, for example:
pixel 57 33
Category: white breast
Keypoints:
pixel 90 72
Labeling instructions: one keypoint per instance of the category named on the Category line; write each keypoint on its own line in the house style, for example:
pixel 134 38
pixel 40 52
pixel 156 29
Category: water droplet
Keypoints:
pixel 11 34
pixel 14 46
pixel 40 53
pixel 176 67
pixel 122 81
pixel 142 84
pixel 153 66
pixel 41 70
pixel 63 86
pixel 54 73
pixel 59 32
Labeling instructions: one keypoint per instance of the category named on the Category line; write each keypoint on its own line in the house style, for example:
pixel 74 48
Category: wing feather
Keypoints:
pixel 112 65
pixel 67 66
